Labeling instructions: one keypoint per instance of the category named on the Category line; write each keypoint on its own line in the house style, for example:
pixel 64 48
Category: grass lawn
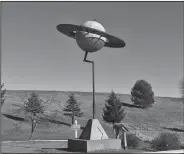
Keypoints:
pixel 146 124
pixel 32 147
pixel 46 147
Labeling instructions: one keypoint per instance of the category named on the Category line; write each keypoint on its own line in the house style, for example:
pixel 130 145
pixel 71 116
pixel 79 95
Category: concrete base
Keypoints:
pixel 93 145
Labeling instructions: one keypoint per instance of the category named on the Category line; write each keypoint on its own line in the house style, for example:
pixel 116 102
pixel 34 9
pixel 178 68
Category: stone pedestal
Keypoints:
pixel 93 145
pixel 93 138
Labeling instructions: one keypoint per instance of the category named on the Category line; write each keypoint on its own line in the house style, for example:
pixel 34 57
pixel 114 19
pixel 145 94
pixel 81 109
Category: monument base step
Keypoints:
pixel 93 145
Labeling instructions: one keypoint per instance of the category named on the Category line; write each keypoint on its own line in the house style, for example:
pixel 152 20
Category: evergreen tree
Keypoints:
pixel 33 108
pixel 34 112
pixel 3 92
pixel 142 94
pixel 113 111
pixel 72 108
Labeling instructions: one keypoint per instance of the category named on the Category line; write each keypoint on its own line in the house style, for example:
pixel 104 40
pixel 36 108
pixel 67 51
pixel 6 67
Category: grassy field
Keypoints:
pixel 48 147
pixel 146 124
pixel 33 147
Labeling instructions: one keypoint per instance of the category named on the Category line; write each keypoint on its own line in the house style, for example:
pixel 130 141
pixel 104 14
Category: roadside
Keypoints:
pixel 45 147
pixel 32 146
pixel 55 146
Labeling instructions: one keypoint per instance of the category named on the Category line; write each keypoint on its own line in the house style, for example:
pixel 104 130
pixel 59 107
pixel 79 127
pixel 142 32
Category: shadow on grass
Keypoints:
pixel 15 117
pixel 63 150
pixel 98 151
pixel 132 105
pixel 174 129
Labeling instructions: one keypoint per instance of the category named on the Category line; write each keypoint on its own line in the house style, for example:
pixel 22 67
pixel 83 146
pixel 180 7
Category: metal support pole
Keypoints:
pixel 125 140
pixel 93 71
pixel 93 81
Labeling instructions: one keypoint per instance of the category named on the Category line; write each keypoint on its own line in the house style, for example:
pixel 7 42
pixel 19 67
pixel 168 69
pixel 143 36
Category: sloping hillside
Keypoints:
pixel 167 112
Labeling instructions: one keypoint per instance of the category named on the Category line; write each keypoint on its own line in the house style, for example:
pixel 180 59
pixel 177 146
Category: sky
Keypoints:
pixel 35 56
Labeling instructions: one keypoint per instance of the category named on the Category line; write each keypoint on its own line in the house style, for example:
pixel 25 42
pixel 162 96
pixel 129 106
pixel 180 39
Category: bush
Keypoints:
pixel 166 141
pixel 142 94
pixel 132 140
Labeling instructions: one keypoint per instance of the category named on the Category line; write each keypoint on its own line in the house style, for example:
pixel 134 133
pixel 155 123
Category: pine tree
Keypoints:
pixel 113 111
pixel 34 112
pixel 33 108
pixel 72 108
pixel 142 94
pixel 3 92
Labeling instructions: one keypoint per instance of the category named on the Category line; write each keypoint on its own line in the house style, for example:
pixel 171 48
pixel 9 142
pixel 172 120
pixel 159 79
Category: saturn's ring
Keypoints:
pixel 70 31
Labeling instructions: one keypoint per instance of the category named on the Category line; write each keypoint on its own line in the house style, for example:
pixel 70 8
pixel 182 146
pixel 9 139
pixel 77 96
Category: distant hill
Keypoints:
pixel 167 112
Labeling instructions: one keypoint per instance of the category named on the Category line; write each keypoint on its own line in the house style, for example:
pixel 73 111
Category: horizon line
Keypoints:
pixel 86 92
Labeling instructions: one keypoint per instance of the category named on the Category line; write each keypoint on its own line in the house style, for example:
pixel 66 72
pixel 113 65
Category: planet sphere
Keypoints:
pixel 90 42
